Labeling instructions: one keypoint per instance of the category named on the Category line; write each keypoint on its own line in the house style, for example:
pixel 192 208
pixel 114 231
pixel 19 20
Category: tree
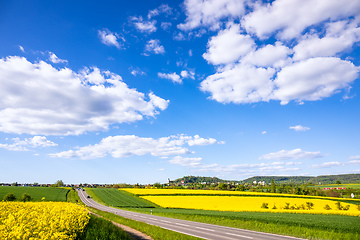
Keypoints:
pixel 9 197
pixel 240 188
pixel 25 197
pixel 222 186
pixel 273 187
pixel 59 183
pixel 338 182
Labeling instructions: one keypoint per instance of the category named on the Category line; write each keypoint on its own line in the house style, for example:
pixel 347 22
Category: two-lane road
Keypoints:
pixel 196 229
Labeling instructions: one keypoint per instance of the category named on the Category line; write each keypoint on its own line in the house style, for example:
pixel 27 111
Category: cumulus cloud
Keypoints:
pixel 21 48
pixel 109 38
pixel 313 79
pixel 137 71
pixel 187 74
pixel 44 100
pixel 310 67
pixel 188 162
pixel 268 56
pixel 291 154
pixel 299 128
pixel 197 140
pixel 143 25
pixel 153 46
pixel 208 13
pixel 128 145
pixel 21 145
pixel 171 76
pixel 228 46
pixel 241 83
pixel 292 17
pixel 176 78
pixel 54 59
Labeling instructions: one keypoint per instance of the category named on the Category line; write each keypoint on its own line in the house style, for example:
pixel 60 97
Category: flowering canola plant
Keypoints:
pixel 41 220
pixel 251 204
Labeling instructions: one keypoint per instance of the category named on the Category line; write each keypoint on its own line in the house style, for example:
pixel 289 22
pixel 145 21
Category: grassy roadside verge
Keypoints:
pixel 99 228
pixel 297 225
pixel 154 232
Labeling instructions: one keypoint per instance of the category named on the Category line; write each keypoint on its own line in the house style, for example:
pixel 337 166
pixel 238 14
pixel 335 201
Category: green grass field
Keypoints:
pixel 116 198
pixel 36 193
pixel 354 186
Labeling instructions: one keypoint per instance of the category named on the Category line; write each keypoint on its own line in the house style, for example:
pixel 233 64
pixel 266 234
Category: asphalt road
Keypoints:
pixel 196 229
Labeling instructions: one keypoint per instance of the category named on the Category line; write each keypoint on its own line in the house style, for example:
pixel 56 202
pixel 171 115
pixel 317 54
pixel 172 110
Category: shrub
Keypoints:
pixel 287 206
pixel 265 205
pixel 327 207
pixel 309 205
pixel 9 197
pixel 25 197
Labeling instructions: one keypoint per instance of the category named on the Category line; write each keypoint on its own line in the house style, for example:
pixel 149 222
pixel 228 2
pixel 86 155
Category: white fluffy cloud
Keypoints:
pixel 310 67
pixel 228 46
pixel 197 140
pixel 291 154
pixel 54 59
pixel 241 83
pixel 21 145
pixel 313 79
pixel 171 76
pixel 176 78
pixel 268 56
pixel 292 17
pixel 41 99
pixel 143 25
pixel 109 38
pixel 153 46
pixel 189 162
pixel 208 13
pixel 129 145
pixel 299 128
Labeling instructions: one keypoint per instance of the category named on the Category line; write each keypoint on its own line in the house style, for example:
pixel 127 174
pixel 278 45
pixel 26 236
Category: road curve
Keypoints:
pixel 196 229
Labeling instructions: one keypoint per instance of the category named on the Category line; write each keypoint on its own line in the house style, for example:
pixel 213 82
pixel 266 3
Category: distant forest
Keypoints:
pixel 326 179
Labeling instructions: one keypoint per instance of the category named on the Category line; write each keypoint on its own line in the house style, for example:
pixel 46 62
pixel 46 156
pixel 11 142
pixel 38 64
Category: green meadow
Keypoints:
pixel 36 193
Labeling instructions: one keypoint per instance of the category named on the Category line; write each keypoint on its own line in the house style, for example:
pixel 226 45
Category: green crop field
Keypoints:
pixel 354 186
pixel 36 193
pixel 338 223
pixel 116 198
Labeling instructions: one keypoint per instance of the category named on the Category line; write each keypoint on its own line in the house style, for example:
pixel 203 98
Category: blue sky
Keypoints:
pixel 142 91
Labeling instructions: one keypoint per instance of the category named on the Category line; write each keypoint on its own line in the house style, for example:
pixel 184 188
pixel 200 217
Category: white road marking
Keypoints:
pixel 206 229
pixel 165 221
pixel 182 224
pixel 237 235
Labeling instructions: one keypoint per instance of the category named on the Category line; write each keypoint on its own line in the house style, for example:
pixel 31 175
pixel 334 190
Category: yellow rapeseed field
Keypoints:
pixel 251 204
pixel 243 201
pixel 41 220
